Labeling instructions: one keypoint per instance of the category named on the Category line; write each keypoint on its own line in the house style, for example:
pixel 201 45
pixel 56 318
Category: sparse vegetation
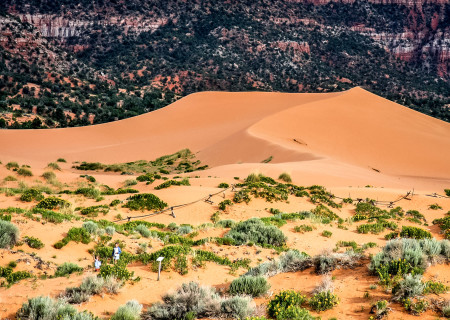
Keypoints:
pixel 66 269
pixel 9 234
pixel 249 285
pixel 145 201
pixel 285 177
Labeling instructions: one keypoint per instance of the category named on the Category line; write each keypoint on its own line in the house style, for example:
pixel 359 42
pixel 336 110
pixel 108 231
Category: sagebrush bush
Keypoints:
pixel 411 286
pixel 130 311
pixel 24 172
pixel 90 227
pixel 256 231
pixel 143 230
pixel 110 230
pixel 183 230
pixel 285 177
pixel 446 304
pixel 45 308
pixel 249 285
pixel 199 302
pixel 67 268
pixel 9 234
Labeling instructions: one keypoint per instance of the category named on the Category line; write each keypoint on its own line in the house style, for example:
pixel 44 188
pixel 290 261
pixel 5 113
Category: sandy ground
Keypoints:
pixel 354 143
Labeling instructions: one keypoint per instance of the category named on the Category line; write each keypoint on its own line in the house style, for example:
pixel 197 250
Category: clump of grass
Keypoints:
pixel 54 166
pixel 10 178
pixel 434 206
pixel 287 305
pixel 327 234
pixel 31 194
pixel 249 285
pixel 66 269
pixel 130 182
pixel 61 160
pixel 12 165
pixel 24 172
pixel 285 177
pixel 53 203
pixel 9 234
pixel 49 176
pixel 130 311
pixel 303 228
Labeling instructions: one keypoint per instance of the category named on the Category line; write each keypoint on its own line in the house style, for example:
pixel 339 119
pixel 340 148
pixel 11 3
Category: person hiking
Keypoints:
pixel 97 264
pixel 116 253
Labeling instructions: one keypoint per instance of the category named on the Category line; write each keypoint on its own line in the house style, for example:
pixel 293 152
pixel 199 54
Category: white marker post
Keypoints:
pixel 159 268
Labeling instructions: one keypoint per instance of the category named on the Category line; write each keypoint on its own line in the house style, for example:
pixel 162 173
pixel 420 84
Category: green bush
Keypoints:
pixel 74 234
pixel 145 201
pixel 24 172
pixel 391 235
pixel 184 230
pixel 168 183
pixel 114 203
pixel 435 287
pixel 53 203
pixel 61 160
pixel 90 226
pixel 324 300
pixel 414 233
pixel 256 231
pixel 415 306
pixel 54 166
pixel 327 234
pixel 33 242
pixel 237 307
pixel 12 165
pixel 434 206
pixel 249 285
pixel 285 177
pixel 180 264
pixel 130 311
pixel 223 205
pixel 49 176
pixel 10 178
pixel 31 194
pixel 146 177
pixel 381 309
pixel 93 211
pixel 66 269
pixel 303 228
pixel 284 301
pixel 9 234
pixel 45 308
pixel 411 286
pixel 118 271
pixel 223 185
pixel 110 230
pixel 88 192
pixel 143 230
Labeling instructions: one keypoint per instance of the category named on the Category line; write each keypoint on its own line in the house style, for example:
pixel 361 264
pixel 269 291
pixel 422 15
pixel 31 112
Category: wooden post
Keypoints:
pixel 159 267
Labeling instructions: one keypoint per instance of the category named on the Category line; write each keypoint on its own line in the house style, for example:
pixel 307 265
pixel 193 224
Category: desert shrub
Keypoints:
pixel 118 271
pixel 114 203
pixel 45 308
pixel 74 234
pixel 285 177
pixel 434 206
pixel 52 216
pixel 12 165
pixel 446 308
pixel 327 234
pixel 90 166
pixel 143 230
pixel 67 268
pixel 249 285
pixel 183 230
pixel 375 228
pixel 325 285
pixel 237 307
pixel 13 277
pixel 415 233
pixel 146 177
pixel 284 301
pixel 223 185
pixel 24 172
pixel 180 265
pixel 49 176
pixel 290 261
pixel 324 212
pixel 9 234
pixel 53 203
pixel 61 160
pixel 33 242
pixel 130 311
pixel 223 204
pixel 256 231
pixel 145 201
pixel 88 192
pixel 435 287
pixel 380 309
pixel 324 300
pixel 227 223
pixel 54 166
pixel 10 178
pixel 303 228
pixel 252 177
pixel 168 183
pixel 93 211
pixel 31 194
pixel 391 235
pixel 327 262
pixel 415 306
pixel 90 227
pixel 191 298
pixel 411 286
pixel 215 217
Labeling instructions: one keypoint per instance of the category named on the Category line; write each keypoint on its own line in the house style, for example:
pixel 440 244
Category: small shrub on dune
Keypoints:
pixel 446 308
pixel 10 178
pixel 285 177
pixel 380 309
pixel 61 160
pixel 130 311
pixel 67 268
pixel 323 300
pixel 130 182
pixel 24 172
pixel 49 176
pixel 110 230
pixel 12 165
pixel 184 230
pixel 223 204
pixel 434 206
pixel 145 201
pixel 54 166
pixel 411 286
pixel 9 234
pixel 287 305
pixel 325 285
pixel 414 233
pixel 256 231
pixel 249 285
pixel 223 185
pixel 88 192
pixel 90 227
pixel 237 307
pixel 143 230
pixel 53 203
pixel 33 242
pixel 31 194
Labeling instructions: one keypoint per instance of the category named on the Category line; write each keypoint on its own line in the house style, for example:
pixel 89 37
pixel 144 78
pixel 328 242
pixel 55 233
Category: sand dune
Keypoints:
pixel 348 129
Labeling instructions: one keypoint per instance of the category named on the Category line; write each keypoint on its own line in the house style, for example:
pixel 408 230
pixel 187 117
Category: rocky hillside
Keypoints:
pixel 399 49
